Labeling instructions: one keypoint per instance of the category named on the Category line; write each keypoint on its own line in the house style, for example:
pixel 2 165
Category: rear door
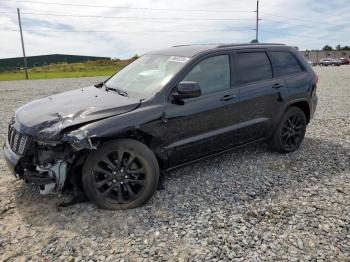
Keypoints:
pixel 261 94
pixel 297 79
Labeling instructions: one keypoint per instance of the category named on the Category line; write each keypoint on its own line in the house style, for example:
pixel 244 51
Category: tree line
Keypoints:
pixel 337 48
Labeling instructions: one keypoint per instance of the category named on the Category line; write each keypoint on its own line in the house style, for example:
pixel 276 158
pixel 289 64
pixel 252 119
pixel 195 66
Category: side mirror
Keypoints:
pixel 99 85
pixel 187 89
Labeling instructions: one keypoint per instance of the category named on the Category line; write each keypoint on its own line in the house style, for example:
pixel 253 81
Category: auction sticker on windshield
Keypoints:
pixel 179 59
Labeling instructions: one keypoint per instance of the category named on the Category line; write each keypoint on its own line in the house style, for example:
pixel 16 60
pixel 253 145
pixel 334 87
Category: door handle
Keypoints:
pixel 277 85
pixel 227 97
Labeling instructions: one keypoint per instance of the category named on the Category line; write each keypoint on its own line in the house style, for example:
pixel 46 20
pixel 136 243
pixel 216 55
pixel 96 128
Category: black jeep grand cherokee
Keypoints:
pixel 166 109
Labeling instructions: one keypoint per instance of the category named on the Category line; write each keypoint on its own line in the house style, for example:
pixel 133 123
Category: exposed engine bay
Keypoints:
pixel 50 168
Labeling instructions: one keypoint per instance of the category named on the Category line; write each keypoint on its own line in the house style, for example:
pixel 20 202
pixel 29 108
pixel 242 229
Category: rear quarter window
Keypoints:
pixel 285 64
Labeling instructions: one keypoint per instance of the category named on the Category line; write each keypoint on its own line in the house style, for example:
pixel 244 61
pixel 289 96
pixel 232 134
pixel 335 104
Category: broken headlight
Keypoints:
pixel 78 139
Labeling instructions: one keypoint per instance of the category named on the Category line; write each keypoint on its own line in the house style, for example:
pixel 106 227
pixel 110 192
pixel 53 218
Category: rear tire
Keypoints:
pixel 290 131
pixel 120 174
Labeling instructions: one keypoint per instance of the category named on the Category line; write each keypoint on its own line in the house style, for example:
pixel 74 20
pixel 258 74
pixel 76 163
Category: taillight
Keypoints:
pixel 313 90
pixel 316 79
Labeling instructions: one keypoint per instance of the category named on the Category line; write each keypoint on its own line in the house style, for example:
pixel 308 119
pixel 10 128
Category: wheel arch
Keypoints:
pixel 141 136
pixel 304 106
pixel 301 104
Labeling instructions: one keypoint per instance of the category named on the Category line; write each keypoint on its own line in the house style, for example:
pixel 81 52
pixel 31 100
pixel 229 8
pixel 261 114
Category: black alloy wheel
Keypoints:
pixel 290 131
pixel 121 174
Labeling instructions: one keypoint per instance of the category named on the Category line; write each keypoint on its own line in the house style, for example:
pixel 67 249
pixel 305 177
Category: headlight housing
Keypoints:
pixel 78 139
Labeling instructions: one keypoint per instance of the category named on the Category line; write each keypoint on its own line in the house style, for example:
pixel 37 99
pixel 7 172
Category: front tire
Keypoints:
pixel 120 174
pixel 290 131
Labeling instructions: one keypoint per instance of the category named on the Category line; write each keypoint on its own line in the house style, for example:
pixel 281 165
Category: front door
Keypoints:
pixel 207 124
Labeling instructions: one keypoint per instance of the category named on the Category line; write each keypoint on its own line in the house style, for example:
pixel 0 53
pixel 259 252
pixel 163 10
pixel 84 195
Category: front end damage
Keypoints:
pixel 47 142
pixel 47 164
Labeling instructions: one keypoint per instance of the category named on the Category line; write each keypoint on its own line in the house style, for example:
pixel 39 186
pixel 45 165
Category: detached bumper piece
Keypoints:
pixel 37 179
pixel 50 178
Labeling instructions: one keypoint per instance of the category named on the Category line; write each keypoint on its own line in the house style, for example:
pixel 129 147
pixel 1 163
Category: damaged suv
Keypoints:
pixel 166 109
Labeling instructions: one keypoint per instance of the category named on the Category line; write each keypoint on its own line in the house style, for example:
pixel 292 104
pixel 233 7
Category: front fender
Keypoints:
pixel 136 120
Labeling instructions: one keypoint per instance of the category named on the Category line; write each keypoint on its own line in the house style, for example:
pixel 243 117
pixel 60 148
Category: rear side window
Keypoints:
pixel 285 64
pixel 253 67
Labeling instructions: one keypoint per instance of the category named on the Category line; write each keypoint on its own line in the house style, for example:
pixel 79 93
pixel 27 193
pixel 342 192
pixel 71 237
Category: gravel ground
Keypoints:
pixel 250 204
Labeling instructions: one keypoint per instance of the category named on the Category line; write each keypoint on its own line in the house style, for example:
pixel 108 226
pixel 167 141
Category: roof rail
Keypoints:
pixel 246 44
pixel 207 44
pixel 180 45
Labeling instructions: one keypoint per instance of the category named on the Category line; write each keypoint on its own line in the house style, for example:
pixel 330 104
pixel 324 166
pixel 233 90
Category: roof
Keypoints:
pixel 192 50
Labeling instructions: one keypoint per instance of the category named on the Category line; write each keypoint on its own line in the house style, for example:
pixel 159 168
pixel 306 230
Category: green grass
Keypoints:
pixel 90 68
pixel 41 75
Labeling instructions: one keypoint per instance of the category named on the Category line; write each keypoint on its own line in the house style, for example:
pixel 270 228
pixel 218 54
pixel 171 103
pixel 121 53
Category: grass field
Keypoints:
pixel 90 68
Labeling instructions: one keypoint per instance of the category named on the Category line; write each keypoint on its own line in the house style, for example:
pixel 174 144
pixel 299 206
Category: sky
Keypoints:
pixel 123 28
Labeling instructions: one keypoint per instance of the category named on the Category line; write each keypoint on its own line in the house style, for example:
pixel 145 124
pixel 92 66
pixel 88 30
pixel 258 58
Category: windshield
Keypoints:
pixel 147 75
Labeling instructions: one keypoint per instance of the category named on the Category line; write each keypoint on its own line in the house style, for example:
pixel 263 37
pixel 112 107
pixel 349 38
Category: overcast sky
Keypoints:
pixel 145 25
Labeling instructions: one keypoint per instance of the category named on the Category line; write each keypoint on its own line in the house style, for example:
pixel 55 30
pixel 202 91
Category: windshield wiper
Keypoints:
pixel 119 91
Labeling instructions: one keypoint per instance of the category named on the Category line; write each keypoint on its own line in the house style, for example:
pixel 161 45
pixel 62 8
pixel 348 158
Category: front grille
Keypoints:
pixel 17 141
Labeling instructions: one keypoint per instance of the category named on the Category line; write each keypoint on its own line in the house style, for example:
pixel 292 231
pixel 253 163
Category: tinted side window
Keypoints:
pixel 285 63
pixel 212 74
pixel 253 66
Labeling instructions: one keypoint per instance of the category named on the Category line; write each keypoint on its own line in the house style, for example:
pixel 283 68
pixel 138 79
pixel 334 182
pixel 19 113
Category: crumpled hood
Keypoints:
pixel 45 118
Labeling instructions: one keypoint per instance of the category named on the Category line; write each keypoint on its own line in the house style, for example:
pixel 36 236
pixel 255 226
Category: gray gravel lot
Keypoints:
pixel 250 204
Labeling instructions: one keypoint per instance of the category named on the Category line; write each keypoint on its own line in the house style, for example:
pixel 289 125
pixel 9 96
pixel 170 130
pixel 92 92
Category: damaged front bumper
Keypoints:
pixel 50 177
pixel 11 158
pixel 45 164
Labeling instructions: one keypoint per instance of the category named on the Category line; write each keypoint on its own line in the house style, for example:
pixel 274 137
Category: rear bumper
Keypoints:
pixel 314 102
pixel 11 158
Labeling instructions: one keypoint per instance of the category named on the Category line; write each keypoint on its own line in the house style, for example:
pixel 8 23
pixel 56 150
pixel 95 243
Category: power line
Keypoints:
pixel 136 32
pixel 181 22
pixel 160 9
pixel 157 9
pixel 13 13
pixel 135 8
pixel 154 19
pixel 135 17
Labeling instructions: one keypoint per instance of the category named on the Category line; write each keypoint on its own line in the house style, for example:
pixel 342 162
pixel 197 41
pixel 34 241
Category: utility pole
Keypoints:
pixel 24 53
pixel 257 21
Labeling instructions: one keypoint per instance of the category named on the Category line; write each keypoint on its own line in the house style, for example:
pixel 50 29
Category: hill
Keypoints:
pixel 64 70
